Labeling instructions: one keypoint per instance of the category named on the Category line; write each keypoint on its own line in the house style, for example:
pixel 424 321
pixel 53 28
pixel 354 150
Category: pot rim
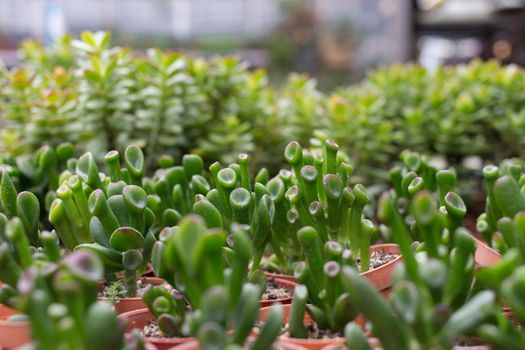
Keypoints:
pixel 377 247
pixel 167 341
pixel 5 323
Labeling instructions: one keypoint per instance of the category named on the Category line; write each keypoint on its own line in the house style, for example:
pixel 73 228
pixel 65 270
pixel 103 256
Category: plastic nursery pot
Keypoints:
pixel 122 305
pixel 314 344
pixel 485 256
pixel 381 277
pixel 138 319
pixel 281 276
pixel 288 285
pixel 12 333
pixel 194 345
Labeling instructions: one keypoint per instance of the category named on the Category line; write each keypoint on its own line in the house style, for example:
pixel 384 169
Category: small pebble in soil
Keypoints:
pixel 152 330
pixel 314 332
pixel 275 291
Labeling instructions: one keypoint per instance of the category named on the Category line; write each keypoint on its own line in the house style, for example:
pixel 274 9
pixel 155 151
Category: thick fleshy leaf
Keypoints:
pixel 85 265
pixel 126 238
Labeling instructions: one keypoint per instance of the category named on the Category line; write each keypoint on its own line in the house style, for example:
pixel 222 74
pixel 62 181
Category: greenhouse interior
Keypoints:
pixel 262 174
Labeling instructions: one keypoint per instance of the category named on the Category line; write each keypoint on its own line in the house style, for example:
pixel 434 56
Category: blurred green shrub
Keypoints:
pixel 101 97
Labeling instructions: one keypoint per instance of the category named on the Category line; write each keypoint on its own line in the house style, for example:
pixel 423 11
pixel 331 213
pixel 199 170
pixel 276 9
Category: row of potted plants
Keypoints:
pixel 106 98
pixel 224 241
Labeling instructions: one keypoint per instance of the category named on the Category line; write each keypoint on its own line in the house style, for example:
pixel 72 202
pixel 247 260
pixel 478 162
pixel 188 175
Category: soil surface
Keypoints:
pixel 314 332
pixel 117 289
pixel 152 330
pixel 275 291
pixel 378 259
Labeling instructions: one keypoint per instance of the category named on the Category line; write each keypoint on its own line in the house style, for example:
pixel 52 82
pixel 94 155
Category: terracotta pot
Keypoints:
pixel 194 345
pixel 138 319
pixel 288 285
pixel 149 271
pixel 149 346
pixel 381 277
pixel 485 256
pixel 374 342
pixel 129 304
pixel 281 276
pixel 13 333
pixel 376 345
pixel 315 344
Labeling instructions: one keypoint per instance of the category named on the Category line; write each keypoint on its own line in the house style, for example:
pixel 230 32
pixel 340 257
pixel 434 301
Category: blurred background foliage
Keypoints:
pixel 219 81
pixel 103 97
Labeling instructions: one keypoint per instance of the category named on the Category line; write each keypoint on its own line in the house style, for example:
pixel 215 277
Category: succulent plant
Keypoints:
pixel 16 253
pixel 504 203
pixel 211 294
pixel 507 278
pixel 321 293
pixel 322 196
pixel 212 324
pixel 422 204
pixel 107 214
pixel 105 99
pixel 432 306
pixel 59 300
pixel 172 191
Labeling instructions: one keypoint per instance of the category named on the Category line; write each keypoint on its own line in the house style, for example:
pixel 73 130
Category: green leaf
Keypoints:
pixel 126 238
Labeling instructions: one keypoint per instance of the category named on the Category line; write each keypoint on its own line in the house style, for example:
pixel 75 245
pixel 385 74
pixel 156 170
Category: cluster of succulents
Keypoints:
pixel 217 235
pixel 115 166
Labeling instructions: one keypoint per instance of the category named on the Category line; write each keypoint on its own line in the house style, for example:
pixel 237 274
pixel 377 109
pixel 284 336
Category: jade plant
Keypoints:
pixel 213 323
pixel 504 202
pixel 411 321
pixel 191 258
pixel 179 258
pixel 60 301
pixel 39 172
pixel 16 253
pixel 107 214
pixel 321 293
pixel 419 189
pixel 433 304
pixel 509 280
pixel 209 272
pixel 23 205
pixel 322 196
pixel 255 202
pixel 173 189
